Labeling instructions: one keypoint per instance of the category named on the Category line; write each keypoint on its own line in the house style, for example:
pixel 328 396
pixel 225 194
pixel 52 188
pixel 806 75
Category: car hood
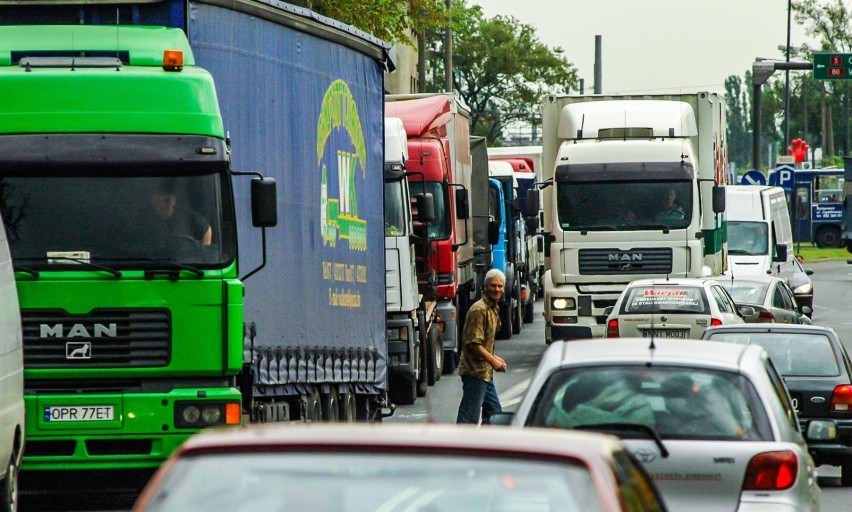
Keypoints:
pixel 749 265
pixel 700 475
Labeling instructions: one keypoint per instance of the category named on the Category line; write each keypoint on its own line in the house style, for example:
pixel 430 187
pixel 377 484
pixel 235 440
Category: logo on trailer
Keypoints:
pixel 339 216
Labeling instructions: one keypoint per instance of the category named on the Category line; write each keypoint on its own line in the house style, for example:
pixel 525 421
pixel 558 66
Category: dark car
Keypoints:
pixel 818 374
pixel 802 285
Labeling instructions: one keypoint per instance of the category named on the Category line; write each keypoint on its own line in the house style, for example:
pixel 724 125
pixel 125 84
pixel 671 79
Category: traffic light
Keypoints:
pixel 798 149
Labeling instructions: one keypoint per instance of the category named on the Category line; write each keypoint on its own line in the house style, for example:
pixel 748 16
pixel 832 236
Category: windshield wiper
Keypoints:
pixel 30 271
pixel 170 267
pixel 635 427
pixel 114 272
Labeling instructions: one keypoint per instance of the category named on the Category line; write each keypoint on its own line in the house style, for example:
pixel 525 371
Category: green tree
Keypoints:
pixel 500 69
pixel 390 20
pixel 739 125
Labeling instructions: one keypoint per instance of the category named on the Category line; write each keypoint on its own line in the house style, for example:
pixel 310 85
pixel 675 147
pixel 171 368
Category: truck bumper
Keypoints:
pixel 581 315
pixel 401 340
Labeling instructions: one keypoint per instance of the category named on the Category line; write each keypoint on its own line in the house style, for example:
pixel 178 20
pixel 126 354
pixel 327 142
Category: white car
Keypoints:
pixel 711 422
pixel 671 308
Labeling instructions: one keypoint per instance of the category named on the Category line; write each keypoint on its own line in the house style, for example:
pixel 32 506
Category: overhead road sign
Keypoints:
pixel 832 66
pixel 753 177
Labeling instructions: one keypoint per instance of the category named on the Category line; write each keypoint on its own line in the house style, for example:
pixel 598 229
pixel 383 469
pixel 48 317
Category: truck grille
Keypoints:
pixel 631 261
pixel 105 338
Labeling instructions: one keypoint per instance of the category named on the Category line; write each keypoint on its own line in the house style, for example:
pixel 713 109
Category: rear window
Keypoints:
pixel 795 355
pixel 677 402
pixel 665 299
pixel 747 292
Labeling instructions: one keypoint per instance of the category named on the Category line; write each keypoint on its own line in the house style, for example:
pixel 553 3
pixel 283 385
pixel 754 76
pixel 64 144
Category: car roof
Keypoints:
pixel 586 446
pixel 772 327
pixel 661 281
pixel 692 353
pixel 761 278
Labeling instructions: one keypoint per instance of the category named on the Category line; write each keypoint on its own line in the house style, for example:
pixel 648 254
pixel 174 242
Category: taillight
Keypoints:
pixel 766 317
pixel 612 328
pixel 771 471
pixel 524 293
pixel 715 321
pixel 841 399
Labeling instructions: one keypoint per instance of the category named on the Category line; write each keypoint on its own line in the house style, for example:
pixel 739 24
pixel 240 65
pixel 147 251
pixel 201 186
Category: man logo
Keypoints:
pixel 78 350
pixel 645 455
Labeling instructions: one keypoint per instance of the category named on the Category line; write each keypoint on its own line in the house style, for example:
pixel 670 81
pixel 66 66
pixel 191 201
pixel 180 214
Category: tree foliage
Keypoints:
pixel 389 20
pixel 739 121
pixel 500 69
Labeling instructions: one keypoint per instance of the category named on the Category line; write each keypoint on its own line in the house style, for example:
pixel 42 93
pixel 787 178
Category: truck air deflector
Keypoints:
pixel 621 171
pixel 93 151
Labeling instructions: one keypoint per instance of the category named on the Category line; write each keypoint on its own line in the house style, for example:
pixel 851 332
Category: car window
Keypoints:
pixel 787 295
pixel 794 354
pixel 723 300
pixel 677 402
pixel 746 292
pixel 367 482
pixel 782 393
pixel 665 299
pixel 778 299
pixel 637 492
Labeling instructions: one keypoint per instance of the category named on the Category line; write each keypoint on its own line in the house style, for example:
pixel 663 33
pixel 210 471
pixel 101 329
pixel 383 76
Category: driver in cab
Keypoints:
pixel 179 221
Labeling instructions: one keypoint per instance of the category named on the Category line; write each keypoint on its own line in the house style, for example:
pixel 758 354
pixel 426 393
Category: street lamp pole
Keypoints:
pixel 787 86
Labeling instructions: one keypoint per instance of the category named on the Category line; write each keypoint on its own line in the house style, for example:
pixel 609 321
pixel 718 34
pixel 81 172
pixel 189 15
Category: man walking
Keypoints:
pixel 478 361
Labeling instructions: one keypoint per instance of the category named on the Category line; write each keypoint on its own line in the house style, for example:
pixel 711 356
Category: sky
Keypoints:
pixel 665 46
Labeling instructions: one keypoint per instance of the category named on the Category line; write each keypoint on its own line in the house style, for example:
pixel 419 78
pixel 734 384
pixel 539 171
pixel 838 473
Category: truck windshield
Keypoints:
pixel 440 228
pixel 635 205
pixel 124 221
pixel 748 238
pixel 394 208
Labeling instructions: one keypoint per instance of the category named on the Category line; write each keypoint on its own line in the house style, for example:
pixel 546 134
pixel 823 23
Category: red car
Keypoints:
pixel 374 467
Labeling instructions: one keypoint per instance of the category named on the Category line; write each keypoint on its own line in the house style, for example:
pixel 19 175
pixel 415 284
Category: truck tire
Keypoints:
pixel 403 390
pixel 436 366
pixel 9 486
pixel 517 307
pixel 506 328
pixel 529 312
pixel 846 474
pixel 827 236
pixel 423 373
pixel 429 356
pixel 330 406
pixel 347 406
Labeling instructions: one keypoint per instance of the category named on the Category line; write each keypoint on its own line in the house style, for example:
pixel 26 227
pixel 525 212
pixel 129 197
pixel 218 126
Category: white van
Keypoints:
pixel 11 381
pixel 760 240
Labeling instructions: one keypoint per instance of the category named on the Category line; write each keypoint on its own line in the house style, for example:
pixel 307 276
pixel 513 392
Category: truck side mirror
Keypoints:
pixel 493 232
pixel 532 203
pixel 425 205
pixel 718 199
pixel 264 202
pixel 780 253
pixel 532 224
pixel 462 204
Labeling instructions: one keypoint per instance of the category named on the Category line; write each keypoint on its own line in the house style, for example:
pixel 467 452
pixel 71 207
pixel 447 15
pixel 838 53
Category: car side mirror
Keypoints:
pixel 747 311
pixel 493 232
pixel 718 199
pixel 608 310
pixel 462 204
pixel 532 224
pixel 264 203
pixel 821 430
pixel 807 310
pixel 809 271
pixel 532 205
pixel 780 253
pixel 502 418
pixel 425 204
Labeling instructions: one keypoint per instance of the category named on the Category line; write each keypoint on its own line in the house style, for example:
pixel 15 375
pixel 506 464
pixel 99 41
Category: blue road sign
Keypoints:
pixel 783 176
pixel 753 177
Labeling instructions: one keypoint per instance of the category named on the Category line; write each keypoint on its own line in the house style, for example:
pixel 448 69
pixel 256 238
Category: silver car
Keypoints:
pixel 770 298
pixel 712 422
pixel 672 308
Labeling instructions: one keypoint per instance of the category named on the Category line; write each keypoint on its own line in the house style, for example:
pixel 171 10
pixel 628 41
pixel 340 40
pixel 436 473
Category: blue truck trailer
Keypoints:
pixel 287 320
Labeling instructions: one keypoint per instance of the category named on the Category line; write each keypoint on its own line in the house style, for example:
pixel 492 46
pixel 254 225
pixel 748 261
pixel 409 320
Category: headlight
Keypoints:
pixel 804 289
pixel 199 414
pixel 562 303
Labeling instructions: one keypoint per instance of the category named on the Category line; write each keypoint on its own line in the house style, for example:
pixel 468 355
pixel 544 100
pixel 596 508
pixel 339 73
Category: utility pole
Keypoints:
pixel 598 65
pixel 787 86
pixel 448 51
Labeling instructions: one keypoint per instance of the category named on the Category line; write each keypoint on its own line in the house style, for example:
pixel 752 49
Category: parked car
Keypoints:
pixel 817 370
pixel 671 308
pixel 802 285
pixel 712 422
pixel 770 298
pixel 368 468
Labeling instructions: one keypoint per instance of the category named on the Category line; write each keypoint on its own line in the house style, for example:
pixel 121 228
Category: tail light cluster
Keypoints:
pixel 771 471
pixel 714 322
pixel 841 399
pixel 612 328
pixel 766 317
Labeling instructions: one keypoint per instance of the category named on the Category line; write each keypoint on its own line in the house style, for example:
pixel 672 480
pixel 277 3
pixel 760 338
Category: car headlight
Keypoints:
pixel 803 289
pixel 562 303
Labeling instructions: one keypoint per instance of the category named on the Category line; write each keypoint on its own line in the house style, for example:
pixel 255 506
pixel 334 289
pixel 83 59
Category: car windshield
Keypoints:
pixel 747 238
pixel 370 482
pixel 746 292
pixel 795 354
pixel 665 299
pixel 677 402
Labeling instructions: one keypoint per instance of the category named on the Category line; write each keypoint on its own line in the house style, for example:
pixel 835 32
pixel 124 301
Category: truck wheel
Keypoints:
pixel 347 409
pixel 529 312
pixel 438 361
pixel 517 308
pixel 827 236
pixel 846 474
pixel 9 486
pixel 429 357
pixel 403 390
pixel 329 404
pixel 506 328
pixel 423 374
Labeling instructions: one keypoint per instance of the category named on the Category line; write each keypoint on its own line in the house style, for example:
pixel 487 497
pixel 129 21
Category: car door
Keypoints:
pixel 782 305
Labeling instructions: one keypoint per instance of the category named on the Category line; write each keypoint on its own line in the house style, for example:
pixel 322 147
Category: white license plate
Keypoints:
pixel 79 413
pixel 667 333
